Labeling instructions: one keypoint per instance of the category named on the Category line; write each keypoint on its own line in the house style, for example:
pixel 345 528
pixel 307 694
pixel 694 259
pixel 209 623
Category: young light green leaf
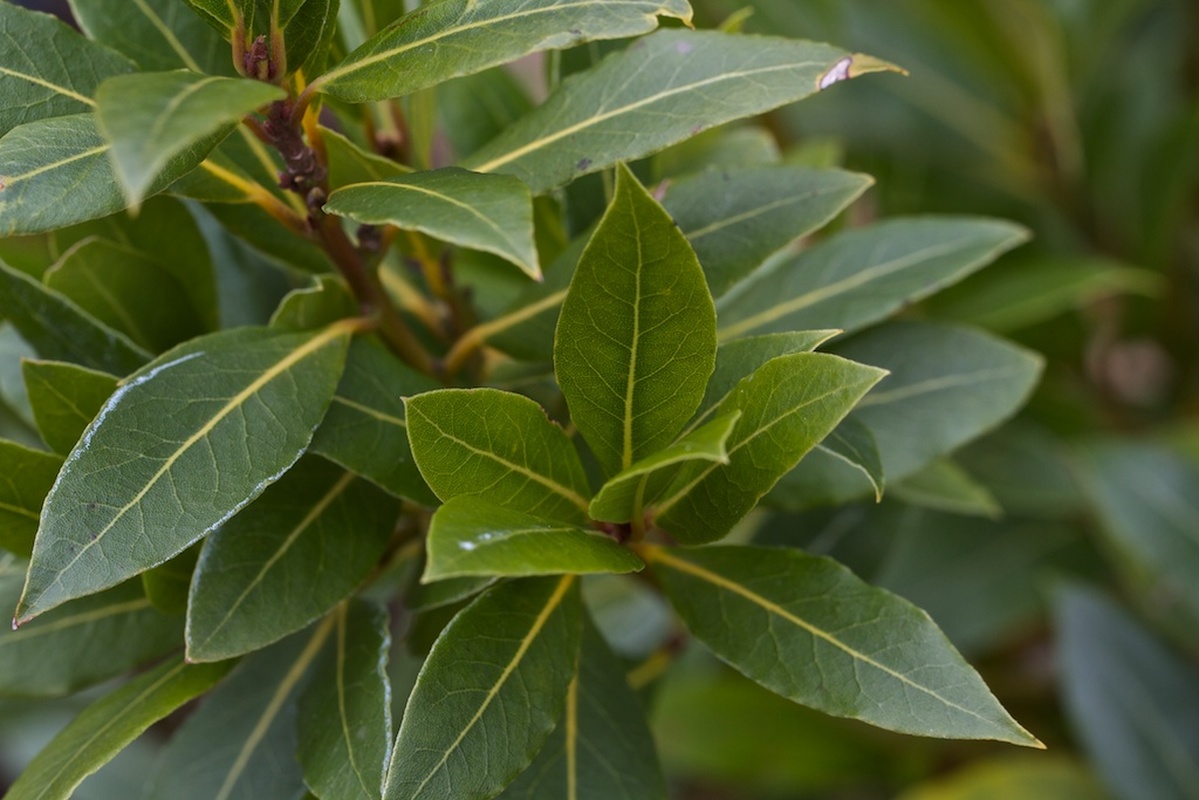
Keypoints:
pixel 788 405
pixel 364 429
pixel 350 685
pixel 107 726
pixel 59 329
pixel 65 399
pixel 602 748
pixel 861 276
pixel 81 643
pixel 734 219
pixel 450 38
pixel 127 291
pixel 240 744
pixel 26 476
pixel 470 536
pixel 286 559
pixel 348 163
pixel 493 213
pixel 628 492
pixel 1134 703
pixel 945 486
pixel 1146 500
pixel 837 644
pixel 47 69
pixel 178 449
pixel 489 692
pixel 636 342
pixel 161 125
pixel 324 301
pixel 663 89
pixel 156 34
pixel 500 445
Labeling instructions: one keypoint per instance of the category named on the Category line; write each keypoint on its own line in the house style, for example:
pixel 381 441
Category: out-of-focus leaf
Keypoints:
pixel 1025 468
pixel 26 476
pixel 325 301
pixel 1050 778
pixel 108 726
pixel 837 644
pixel 489 693
pixel 156 34
pixel 735 146
pixel 46 69
pixel 426 596
pixel 286 559
pixel 348 163
pixel 470 536
pixel 636 339
pixel 177 450
pixel 476 108
pixel 663 89
pixel 168 584
pixel 1134 703
pixel 451 38
pixel 944 486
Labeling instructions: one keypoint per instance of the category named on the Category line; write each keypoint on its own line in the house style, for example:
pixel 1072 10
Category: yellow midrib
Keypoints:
pixel 54 87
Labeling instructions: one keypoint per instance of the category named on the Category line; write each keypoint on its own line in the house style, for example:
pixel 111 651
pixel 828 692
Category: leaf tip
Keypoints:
pixel 852 66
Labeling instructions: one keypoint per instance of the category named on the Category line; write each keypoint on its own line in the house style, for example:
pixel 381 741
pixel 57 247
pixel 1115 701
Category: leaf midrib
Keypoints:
pixel 54 87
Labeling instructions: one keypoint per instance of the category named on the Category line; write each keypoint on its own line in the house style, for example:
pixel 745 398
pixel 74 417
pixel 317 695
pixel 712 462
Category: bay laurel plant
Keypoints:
pixel 346 353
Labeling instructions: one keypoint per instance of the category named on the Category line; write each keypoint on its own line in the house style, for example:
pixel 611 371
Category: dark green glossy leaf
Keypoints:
pixel 500 445
pixel 108 726
pixel 127 291
pixel 602 748
pixel 177 450
pixel 65 399
pixel 364 429
pixel 59 329
pixel 168 585
pixel 82 643
pixel 861 276
pixel 240 744
pixel 836 643
pixel 161 125
pixel 787 406
pixel 46 69
pixel 350 685
pixel 286 559
pixel 1133 702
pixel 26 476
pixel 156 34
pixel 757 211
pixel 470 536
pixel 450 38
pixel 489 693
pixel 493 213
pixel 325 301
pixel 661 90
pixel 636 339
pixel 308 35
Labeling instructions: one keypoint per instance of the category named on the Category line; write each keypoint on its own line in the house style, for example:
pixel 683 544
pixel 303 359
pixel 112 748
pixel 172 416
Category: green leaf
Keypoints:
pixel 1146 501
pixel 470 536
pixel 240 744
pixel 787 406
pixel 161 125
pixel 493 213
pixel 945 486
pixel 156 34
pixel 59 329
pixel 835 643
pixel 1037 778
pixel 348 163
pixel 625 494
pixel 426 596
pixel 65 399
pixel 636 339
pixel 82 643
pixel 1133 702
pixel 46 69
pixel 308 35
pixel 851 445
pixel 860 276
pixel 489 693
pixel 661 90
pixel 127 291
pixel 602 748
pixel 286 559
pixel 364 429
pixel 734 219
pixel 727 147
pixel 26 476
pixel 110 724
pixel 474 109
pixel 324 301
pixel 450 38
pixel 168 585
pixel 350 685
pixel 499 445
pixel 177 450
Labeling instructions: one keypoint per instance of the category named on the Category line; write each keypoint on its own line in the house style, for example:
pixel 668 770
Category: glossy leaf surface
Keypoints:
pixel 156 34
pixel 489 693
pixel 470 536
pixel 177 450
pixel 450 38
pixel 636 339
pixel 837 644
